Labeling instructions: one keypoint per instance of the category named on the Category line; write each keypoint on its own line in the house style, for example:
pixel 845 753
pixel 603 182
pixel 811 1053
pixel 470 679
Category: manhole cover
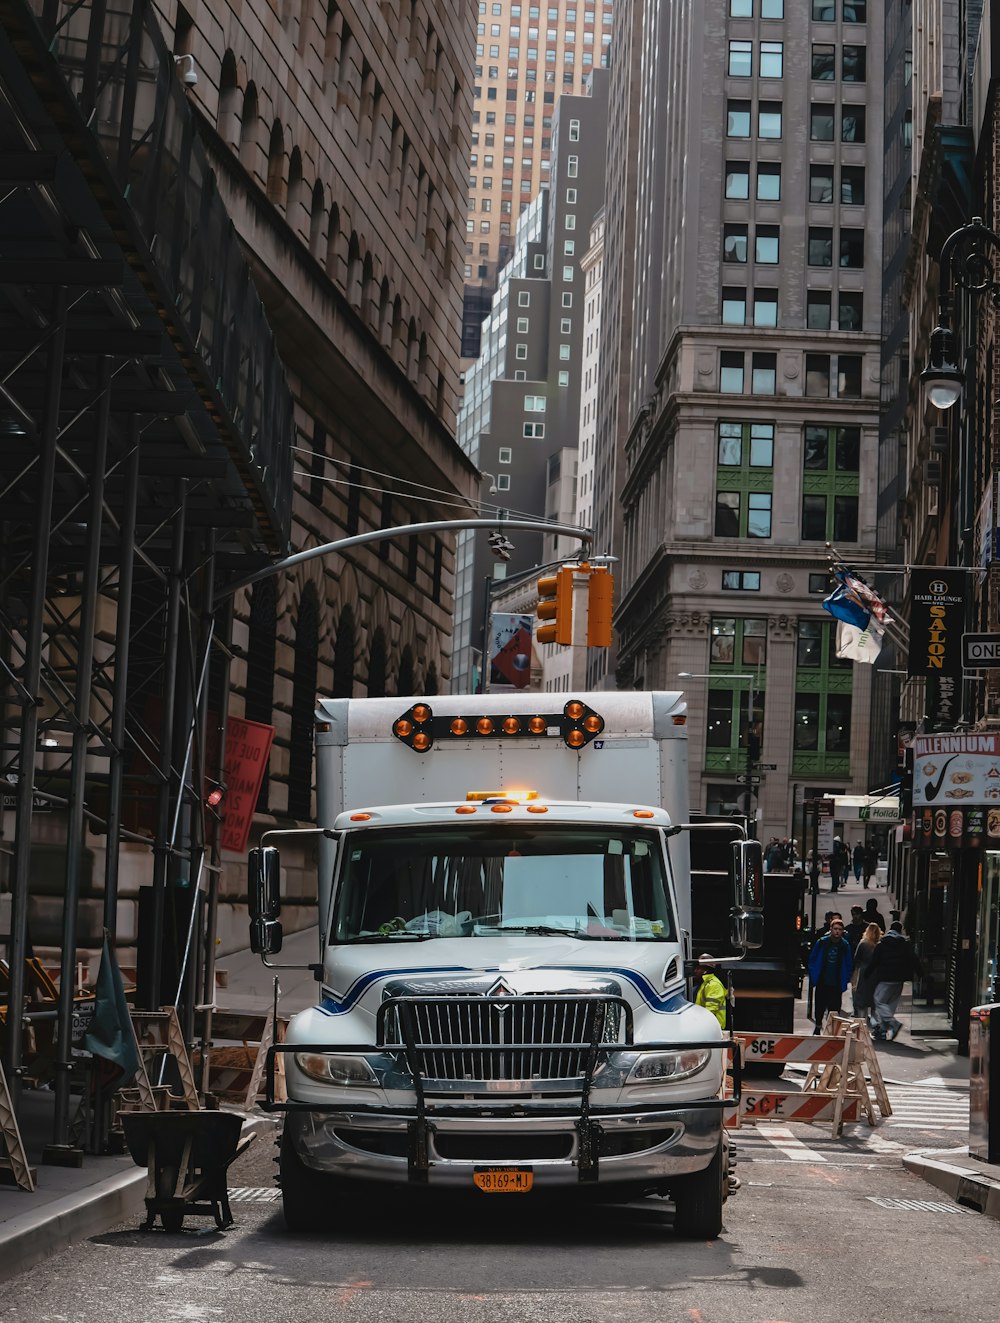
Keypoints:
pixel 915 1205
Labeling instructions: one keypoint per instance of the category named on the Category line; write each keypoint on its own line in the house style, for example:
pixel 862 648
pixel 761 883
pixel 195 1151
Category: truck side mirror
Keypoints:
pixel 264 883
pixel 748 875
pixel 265 936
pixel 747 930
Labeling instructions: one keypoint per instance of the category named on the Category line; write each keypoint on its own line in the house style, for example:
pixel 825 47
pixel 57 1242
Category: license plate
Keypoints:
pixel 504 1180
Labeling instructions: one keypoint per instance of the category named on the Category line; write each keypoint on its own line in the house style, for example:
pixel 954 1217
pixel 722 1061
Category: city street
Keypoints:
pixel 822 1230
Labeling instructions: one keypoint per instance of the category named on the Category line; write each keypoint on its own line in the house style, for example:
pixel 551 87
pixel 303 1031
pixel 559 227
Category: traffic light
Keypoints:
pixel 555 607
pixel 600 591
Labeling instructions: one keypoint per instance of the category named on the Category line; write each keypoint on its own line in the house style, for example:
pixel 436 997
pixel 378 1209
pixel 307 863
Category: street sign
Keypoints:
pixel 980 651
pixel 824 830
pixel 767 767
pixel 753 780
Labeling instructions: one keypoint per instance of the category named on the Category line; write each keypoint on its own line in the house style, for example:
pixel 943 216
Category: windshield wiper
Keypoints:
pixel 398 936
pixel 544 930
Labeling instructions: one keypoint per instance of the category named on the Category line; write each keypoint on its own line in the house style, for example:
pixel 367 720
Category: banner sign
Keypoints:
pixel 248 746
pixel 510 651
pixel 949 769
pixel 956 828
pixel 937 619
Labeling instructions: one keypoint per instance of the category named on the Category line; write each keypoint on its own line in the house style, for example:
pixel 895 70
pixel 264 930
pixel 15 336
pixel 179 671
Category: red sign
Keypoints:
pixel 248 745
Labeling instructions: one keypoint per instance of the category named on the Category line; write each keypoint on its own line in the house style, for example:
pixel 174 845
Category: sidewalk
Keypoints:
pixel 69 1204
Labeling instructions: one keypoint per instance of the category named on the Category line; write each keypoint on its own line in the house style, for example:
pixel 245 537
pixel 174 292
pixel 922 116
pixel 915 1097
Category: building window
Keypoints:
pixel 821 183
pixel 505 454
pixel 855 11
pixel 734 243
pixel 503 482
pixel 831 459
pixel 765 307
pixel 567 273
pixel 821 123
pixel 730 372
pixel 850 311
pixel 817 311
pixel 737 643
pixel 771 59
pixel 821 583
pixel 852 184
pixel 852 248
pixel 565 326
pixel 564 353
pixel 818 375
pixel 824 62
pixel 741 8
pixel 734 306
pixel 521 351
pixel 737 119
pixel 854 64
pixel 768 181
pixel 737 179
pixel 744 479
pixel 571 197
pixel 740 59
pixel 852 124
pixel 570 222
pixel 821 738
pixel 764 375
pixel 539 261
pixel 824 11
pixel 523 299
pixel 534 404
pixel 574 130
pixel 741 581
pixel 563 378
pixel 772 8
pixel 522 326
pixel 769 119
pixel 820 246
pixel 849 376
pixel 572 166
pixel 766 244
pixel 533 431
pixel 567 300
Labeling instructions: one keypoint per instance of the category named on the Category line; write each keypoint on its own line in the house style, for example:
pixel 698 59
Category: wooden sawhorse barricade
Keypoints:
pixel 238 1056
pixel 844 1081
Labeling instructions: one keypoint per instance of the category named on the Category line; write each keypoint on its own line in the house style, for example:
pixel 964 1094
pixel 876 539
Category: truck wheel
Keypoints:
pixel 698 1199
pixel 307 1196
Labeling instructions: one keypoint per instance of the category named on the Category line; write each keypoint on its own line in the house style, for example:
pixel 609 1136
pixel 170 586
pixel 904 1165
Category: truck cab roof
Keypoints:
pixel 481 813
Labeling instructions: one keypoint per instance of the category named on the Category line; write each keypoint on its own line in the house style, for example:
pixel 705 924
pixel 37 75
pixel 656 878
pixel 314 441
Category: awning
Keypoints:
pixel 866 808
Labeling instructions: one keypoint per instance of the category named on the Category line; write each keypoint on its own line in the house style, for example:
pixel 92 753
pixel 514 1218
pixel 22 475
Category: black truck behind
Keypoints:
pixel 767 982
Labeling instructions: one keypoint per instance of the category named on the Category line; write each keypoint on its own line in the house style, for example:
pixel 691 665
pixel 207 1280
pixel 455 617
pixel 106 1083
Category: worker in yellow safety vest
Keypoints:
pixel 711 991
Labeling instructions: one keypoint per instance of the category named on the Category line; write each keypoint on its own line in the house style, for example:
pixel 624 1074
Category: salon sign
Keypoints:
pixel 956 769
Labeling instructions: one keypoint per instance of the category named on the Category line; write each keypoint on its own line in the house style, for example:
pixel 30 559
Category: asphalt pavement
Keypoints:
pixel 70 1204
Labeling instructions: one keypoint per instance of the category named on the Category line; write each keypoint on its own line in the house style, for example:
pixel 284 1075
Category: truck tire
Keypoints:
pixel 307 1196
pixel 698 1199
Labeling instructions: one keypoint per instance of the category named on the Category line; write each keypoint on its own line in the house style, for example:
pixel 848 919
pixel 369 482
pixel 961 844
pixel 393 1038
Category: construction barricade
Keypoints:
pixel 843 1083
pixel 238 1054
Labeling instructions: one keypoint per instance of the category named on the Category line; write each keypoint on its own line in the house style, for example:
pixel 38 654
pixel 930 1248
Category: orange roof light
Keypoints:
pixel 574 710
pixel 538 808
pixel 361 817
pixel 642 813
pixel 501 808
pixel 421 741
pixel 466 808
pixel 459 727
pixel 576 739
pixel 421 712
pixel 511 725
pixel 485 726
pixel 594 724
pixel 403 728
pixel 537 725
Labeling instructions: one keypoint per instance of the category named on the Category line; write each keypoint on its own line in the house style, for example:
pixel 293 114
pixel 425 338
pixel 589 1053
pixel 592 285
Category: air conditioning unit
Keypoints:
pixel 939 440
pixel 931 472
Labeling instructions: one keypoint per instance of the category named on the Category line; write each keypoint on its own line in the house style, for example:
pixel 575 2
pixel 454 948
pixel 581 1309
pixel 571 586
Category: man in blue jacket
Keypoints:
pixel 830 965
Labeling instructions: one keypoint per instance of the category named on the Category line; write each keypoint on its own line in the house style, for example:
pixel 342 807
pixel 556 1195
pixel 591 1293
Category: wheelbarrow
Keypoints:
pixel 186 1156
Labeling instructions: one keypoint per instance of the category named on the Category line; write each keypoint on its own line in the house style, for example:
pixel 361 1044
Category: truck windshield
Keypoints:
pixel 590 883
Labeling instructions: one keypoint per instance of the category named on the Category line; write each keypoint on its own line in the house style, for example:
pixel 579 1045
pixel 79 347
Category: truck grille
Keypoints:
pixel 479 1042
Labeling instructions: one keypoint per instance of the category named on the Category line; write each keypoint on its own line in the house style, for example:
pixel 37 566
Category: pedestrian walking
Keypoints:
pixel 863 982
pixel 871 864
pixel 830 966
pixel 855 930
pixel 858 859
pixel 892 965
pixel 838 863
pixel 872 914
pixel 711 991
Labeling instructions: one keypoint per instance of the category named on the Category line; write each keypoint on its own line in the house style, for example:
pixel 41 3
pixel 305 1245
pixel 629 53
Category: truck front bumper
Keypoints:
pixel 644 1149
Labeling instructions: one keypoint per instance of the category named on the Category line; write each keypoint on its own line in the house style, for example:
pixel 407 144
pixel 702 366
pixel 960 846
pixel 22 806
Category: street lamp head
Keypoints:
pixel 942 379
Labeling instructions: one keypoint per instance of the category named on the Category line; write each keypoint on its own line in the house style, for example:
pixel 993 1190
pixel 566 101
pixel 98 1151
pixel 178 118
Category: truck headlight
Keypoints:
pixel 652 1067
pixel 334 1068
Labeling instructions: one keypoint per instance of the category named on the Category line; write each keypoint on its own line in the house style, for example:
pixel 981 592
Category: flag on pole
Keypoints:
pixel 111 1034
pixel 860 645
pixel 842 605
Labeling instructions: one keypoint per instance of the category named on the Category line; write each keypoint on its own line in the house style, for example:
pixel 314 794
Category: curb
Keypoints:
pixel 39 1233
pixel 970 1188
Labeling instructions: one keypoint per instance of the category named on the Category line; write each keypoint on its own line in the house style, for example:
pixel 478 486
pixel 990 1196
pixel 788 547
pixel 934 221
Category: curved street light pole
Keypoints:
pixel 967 262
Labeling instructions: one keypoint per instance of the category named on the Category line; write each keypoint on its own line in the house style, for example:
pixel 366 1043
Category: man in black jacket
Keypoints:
pixel 893 964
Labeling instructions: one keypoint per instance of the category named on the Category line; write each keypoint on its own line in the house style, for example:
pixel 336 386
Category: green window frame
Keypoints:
pixel 821 725
pixel 726 723
pixel 831 461
pixel 744 483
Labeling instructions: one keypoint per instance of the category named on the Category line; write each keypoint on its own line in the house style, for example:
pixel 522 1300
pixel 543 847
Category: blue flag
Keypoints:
pixel 844 605
pixel 110 1034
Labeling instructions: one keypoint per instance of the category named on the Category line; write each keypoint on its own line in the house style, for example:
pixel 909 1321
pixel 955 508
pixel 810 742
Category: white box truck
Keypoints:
pixel 505 910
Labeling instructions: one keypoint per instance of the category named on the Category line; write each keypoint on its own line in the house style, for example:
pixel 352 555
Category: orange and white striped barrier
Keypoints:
pixel 836 1088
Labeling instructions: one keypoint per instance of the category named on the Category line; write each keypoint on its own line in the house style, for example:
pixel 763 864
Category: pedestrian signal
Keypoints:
pixel 555 607
pixel 600 592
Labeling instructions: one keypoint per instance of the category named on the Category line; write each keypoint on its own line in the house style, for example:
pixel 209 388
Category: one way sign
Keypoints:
pixel 980 651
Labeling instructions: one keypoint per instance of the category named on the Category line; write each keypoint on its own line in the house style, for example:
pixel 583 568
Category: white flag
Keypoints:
pixel 860 645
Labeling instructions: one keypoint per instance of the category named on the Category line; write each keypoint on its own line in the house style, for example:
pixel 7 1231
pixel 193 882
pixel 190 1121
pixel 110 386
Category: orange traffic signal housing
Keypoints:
pixel 600 592
pixel 555 607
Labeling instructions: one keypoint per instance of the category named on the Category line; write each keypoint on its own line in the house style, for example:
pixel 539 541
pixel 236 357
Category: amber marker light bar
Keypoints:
pixel 577 724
